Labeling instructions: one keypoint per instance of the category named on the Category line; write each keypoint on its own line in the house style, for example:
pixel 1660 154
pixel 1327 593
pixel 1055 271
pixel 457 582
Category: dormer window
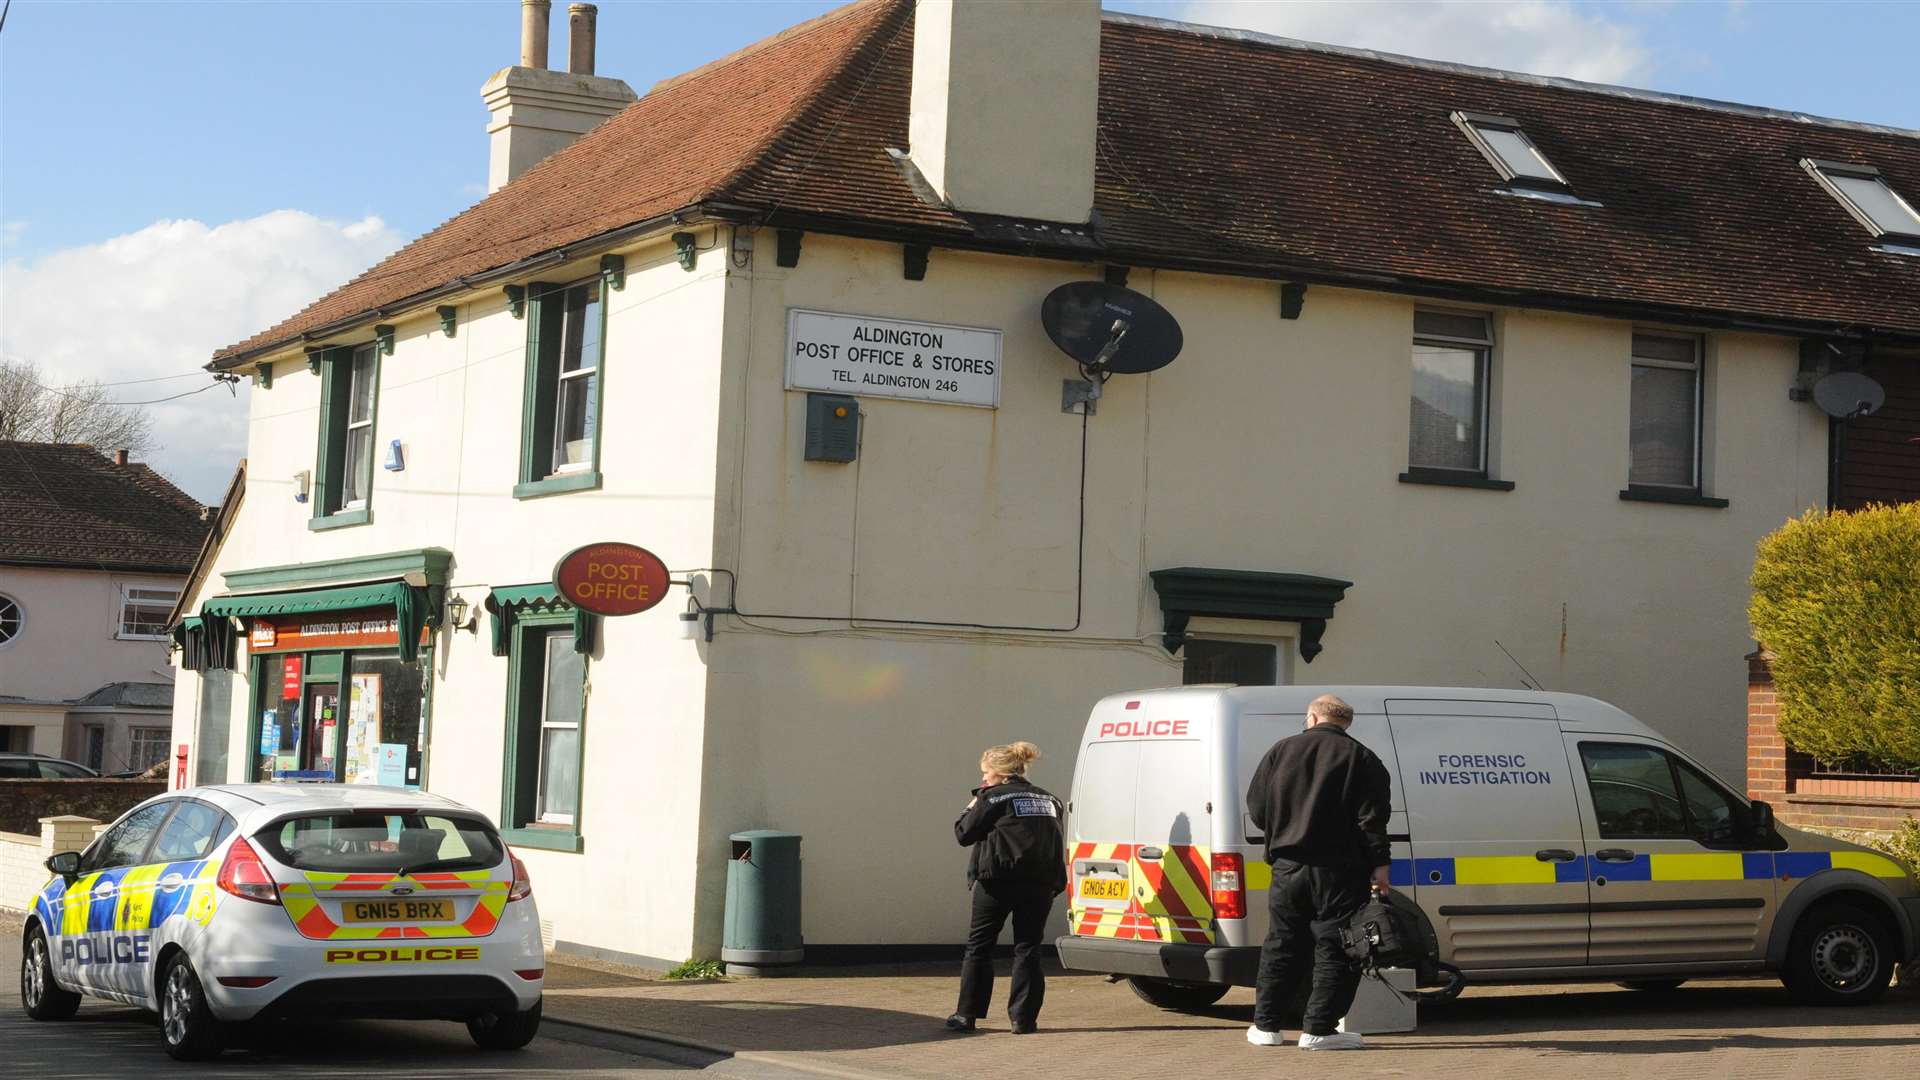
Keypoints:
pixel 1509 151
pixel 1865 194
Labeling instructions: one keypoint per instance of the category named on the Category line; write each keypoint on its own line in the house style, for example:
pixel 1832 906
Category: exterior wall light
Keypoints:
pixel 396 458
pixel 458 611
pixel 689 625
pixel 301 481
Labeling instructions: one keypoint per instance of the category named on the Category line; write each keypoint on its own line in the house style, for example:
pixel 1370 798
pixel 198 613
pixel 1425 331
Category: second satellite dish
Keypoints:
pixel 1847 394
pixel 1110 329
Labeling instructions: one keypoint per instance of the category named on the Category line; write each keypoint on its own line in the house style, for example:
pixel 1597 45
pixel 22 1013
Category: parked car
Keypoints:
pixel 216 905
pixel 19 766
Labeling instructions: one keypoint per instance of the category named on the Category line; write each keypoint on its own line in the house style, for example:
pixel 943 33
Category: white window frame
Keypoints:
pixel 20 614
pixel 128 601
pixel 368 355
pixel 134 740
pixel 1471 124
pixel 1823 173
pixel 1699 369
pixel 561 377
pixel 1483 384
pixel 540 812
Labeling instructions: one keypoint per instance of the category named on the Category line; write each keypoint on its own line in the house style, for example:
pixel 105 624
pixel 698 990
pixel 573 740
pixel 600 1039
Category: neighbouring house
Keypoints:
pixel 1482 372
pixel 93 552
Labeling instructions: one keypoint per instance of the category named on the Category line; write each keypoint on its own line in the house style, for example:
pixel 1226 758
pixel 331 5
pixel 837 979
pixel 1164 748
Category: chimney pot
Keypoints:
pixel 533 32
pixel 119 457
pixel 580 33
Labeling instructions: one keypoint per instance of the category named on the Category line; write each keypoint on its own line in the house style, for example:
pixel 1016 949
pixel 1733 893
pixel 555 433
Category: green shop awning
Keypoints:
pixel 410 604
pixel 507 603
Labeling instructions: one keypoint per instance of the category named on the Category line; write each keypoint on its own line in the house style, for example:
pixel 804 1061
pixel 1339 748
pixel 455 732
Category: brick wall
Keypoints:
pixel 1785 778
pixel 23 857
pixel 24 802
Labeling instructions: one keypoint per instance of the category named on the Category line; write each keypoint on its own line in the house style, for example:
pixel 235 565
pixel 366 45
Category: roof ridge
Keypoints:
pixel 834 15
pixel 1558 82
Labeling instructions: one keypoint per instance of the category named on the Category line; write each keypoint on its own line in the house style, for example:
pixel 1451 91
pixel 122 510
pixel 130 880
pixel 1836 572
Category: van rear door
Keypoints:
pixel 1171 826
pixel 1100 838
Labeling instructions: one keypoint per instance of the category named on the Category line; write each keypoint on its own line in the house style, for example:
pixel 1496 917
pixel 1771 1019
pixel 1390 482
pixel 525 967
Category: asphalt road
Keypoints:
pixel 109 1040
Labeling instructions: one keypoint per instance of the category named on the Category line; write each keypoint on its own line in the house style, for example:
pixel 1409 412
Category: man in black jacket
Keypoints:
pixel 1322 800
pixel 1017 866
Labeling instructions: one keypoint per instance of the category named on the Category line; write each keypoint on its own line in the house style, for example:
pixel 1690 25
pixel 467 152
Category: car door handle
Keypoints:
pixel 1151 853
pixel 1614 854
pixel 172 882
pixel 1555 855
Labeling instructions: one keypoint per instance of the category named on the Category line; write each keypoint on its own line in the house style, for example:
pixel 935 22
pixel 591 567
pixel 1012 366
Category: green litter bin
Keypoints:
pixel 763 903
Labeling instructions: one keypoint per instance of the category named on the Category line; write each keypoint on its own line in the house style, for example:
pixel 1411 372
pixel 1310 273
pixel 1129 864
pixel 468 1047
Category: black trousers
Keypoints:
pixel 1306 907
pixel 993 902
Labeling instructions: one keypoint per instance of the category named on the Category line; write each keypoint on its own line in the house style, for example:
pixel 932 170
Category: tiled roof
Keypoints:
pixel 68 505
pixel 1231 152
pixel 137 695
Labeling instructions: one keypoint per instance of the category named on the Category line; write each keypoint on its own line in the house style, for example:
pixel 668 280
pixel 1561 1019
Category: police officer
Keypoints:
pixel 1322 800
pixel 1018 865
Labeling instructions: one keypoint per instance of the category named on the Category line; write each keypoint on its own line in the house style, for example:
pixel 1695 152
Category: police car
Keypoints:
pixel 217 905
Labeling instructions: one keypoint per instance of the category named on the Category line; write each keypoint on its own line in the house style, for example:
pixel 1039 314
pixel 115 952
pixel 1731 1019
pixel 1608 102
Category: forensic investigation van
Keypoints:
pixel 1541 836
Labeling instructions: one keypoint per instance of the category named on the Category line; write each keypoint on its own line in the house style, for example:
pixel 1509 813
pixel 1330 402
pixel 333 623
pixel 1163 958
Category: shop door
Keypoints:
pixel 317 745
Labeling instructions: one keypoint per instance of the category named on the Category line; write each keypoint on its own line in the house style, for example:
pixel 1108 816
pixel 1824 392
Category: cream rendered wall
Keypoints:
pixel 70 646
pixel 455 404
pixel 1269 445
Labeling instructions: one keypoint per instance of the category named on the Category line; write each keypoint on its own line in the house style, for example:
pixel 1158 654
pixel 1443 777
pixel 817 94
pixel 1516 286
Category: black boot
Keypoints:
pixel 956 1022
pixel 1026 1028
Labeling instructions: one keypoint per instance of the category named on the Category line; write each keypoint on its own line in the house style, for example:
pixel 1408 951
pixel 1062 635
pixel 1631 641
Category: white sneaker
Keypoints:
pixel 1265 1038
pixel 1339 1040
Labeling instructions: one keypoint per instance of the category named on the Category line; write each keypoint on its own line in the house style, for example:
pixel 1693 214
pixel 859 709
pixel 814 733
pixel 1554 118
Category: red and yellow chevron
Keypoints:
pixel 302 901
pixel 1169 900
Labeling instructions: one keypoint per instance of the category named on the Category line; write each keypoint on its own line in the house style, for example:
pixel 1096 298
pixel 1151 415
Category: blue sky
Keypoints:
pixel 229 161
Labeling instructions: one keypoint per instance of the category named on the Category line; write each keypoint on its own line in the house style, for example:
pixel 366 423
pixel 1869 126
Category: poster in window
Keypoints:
pixel 364 729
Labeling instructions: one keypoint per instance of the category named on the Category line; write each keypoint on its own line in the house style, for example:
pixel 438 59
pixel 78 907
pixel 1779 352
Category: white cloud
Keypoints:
pixel 1544 37
pixel 159 301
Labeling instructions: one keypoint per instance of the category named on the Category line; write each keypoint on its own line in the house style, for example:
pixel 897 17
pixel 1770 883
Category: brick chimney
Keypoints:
pixel 536 112
pixel 119 457
pixel 1005 101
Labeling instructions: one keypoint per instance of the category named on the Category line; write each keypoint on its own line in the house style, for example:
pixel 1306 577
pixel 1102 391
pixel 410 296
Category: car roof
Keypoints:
pixel 267 801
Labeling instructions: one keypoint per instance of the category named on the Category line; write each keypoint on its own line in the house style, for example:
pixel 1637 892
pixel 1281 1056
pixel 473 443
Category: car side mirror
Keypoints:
pixel 66 864
pixel 1760 822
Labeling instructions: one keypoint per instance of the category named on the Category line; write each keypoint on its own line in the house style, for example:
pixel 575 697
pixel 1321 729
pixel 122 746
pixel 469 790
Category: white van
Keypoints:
pixel 1542 837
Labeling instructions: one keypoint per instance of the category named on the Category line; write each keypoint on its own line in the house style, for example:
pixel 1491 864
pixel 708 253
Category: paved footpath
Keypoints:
pixel 886 1022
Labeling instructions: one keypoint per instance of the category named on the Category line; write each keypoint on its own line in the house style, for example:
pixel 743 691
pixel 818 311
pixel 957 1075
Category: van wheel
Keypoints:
pixel 39 993
pixel 1652 986
pixel 187 1027
pixel 1177 996
pixel 505 1031
pixel 1839 955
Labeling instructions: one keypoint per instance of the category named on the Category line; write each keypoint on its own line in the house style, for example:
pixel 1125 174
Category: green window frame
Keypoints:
pixel 565 387
pixel 540 639
pixel 349 417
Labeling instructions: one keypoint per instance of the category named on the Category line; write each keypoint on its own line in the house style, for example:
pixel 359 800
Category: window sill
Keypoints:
pixel 1674 496
pixel 562 839
pixel 1444 478
pixel 557 484
pixel 340 519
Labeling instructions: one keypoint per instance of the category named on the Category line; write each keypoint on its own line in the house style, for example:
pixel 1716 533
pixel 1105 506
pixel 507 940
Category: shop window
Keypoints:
pixel 546 710
pixel 143 612
pixel 216 716
pixel 149 748
pixel 560 420
pixel 384 742
pixel 343 464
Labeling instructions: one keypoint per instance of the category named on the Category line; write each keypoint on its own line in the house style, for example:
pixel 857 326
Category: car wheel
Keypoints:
pixel 39 993
pixel 1176 996
pixel 1839 955
pixel 1653 986
pixel 187 1026
pixel 505 1031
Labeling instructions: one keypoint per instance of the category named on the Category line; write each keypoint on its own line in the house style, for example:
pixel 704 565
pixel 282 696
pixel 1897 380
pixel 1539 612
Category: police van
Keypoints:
pixel 1541 836
pixel 216 905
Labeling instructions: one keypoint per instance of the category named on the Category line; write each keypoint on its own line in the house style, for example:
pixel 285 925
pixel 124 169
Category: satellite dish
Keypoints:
pixel 1844 395
pixel 1110 329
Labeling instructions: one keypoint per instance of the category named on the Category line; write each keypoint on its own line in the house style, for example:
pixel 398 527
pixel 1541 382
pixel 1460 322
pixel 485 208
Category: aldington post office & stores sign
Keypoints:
pixel 873 357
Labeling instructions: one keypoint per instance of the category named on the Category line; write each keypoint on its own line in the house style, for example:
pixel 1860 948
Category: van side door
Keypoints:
pixel 1498 855
pixel 1672 881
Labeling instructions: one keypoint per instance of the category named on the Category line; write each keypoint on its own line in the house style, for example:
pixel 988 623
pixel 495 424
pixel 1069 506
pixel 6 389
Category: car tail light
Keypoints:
pixel 531 974
pixel 522 884
pixel 246 982
pixel 1229 886
pixel 244 875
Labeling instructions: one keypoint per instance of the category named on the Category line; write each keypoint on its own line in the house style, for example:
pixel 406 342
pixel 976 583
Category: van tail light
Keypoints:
pixel 522 884
pixel 245 876
pixel 1229 886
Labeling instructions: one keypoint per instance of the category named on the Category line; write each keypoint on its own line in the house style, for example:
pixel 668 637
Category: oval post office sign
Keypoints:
pixel 611 578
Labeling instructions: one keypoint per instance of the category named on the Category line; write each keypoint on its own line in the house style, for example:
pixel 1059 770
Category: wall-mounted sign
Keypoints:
pixel 611 578
pixel 363 628
pixel 869 357
pixel 290 667
pixel 260 634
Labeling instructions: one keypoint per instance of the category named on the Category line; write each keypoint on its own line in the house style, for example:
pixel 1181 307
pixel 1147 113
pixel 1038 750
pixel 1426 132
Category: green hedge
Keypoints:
pixel 1836 596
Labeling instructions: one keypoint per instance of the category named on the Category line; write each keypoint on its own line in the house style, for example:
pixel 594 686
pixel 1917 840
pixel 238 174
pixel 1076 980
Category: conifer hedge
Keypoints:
pixel 1836 596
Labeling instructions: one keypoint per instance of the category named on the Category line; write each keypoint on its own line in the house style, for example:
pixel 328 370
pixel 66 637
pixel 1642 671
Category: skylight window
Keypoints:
pixel 1508 150
pixel 1865 194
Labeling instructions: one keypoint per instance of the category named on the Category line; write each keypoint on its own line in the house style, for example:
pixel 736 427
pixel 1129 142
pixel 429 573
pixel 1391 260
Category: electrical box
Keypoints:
pixel 833 427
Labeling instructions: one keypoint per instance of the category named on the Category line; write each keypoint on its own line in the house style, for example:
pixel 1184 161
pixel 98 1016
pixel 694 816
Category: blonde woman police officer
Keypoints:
pixel 1018 865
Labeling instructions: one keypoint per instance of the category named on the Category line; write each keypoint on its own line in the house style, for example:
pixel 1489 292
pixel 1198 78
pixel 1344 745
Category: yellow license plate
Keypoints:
pixel 1103 888
pixel 363 911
